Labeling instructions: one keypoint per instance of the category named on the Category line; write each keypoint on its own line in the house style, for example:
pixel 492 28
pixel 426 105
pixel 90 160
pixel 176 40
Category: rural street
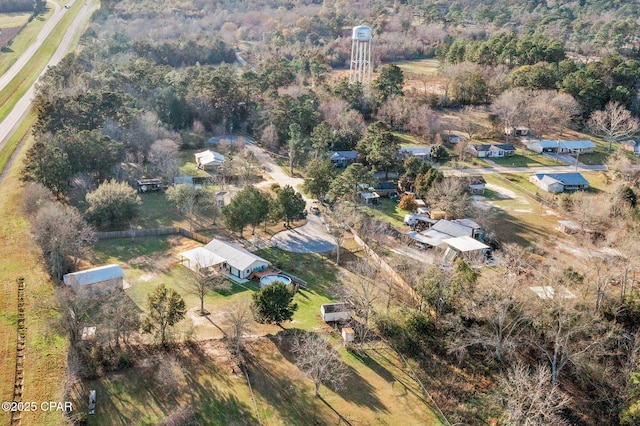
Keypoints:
pixel 309 238
pixel 23 106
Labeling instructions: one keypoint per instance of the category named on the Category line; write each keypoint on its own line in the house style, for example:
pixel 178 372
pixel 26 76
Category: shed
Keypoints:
pixel 146 185
pixel 369 197
pixel 348 335
pixel 332 312
pixel 569 226
pixel 102 279
pixel 386 188
pixel 466 247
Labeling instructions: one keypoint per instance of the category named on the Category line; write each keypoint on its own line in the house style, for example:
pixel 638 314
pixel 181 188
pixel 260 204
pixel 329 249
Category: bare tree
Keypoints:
pixel 565 109
pixel 318 360
pixel 362 294
pixel 120 316
pixel 61 233
pixel 338 234
pixel 530 399
pixel 164 158
pixel 615 123
pixel 199 284
pixel 237 321
pixel 564 334
pixel 470 126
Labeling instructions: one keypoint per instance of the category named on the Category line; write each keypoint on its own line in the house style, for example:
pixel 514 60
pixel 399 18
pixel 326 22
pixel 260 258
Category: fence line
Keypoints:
pixel 132 233
pixel 385 266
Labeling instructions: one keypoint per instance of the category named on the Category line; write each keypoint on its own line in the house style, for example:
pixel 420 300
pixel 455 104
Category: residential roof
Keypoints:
pixel 465 244
pixel 467 222
pixel 235 256
pixel 386 185
pixel 432 237
pixel 546 143
pixel 179 180
pixel 343 155
pixel 94 275
pixel 209 157
pixel 494 147
pixel 547 292
pixel 504 146
pixel 581 144
pixel 452 229
pixel 417 150
pixel 203 257
pixel 564 178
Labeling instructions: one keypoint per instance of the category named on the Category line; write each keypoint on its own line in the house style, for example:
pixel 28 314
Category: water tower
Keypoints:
pixel 360 69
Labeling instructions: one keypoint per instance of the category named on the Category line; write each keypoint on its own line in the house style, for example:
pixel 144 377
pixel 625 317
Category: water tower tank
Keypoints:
pixel 361 33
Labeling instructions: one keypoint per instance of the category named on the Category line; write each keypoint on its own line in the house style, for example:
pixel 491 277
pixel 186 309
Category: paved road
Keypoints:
pixel 310 238
pixel 499 169
pixel 22 107
pixel 31 50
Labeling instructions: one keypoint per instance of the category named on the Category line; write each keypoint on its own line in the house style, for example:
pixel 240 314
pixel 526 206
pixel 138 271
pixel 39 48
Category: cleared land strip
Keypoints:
pixel 16 418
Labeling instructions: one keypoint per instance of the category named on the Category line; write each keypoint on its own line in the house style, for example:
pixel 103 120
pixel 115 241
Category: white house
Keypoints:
pixel 562 147
pixel 559 182
pixel 102 279
pixel 236 261
pixel 208 160
pixel 495 150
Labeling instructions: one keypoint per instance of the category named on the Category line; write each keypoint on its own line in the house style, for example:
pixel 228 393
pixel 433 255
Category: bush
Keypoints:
pixel 408 203
pixel 112 203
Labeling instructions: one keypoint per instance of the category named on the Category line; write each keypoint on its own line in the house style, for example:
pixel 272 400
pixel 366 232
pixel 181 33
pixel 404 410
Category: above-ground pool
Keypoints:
pixel 271 278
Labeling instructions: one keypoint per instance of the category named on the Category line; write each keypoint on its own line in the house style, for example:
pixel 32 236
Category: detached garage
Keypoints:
pixel 97 280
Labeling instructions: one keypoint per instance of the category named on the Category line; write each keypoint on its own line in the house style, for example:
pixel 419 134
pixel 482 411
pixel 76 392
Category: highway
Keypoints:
pixel 22 107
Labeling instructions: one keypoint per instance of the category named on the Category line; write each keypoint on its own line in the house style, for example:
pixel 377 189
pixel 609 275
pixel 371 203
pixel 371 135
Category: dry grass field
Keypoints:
pixel 46 348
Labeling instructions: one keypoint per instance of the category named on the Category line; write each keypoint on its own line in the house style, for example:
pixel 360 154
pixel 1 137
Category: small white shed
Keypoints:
pixel 348 335
pixel 332 312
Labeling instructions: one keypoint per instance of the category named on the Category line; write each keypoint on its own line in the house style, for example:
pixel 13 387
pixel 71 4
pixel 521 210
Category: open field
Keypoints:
pixel 17 19
pixel 46 346
pixel 377 391
pixel 23 40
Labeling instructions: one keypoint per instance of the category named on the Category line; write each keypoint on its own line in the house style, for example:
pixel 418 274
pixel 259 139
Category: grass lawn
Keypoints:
pixel 387 210
pixel 408 140
pixel 16 19
pixel 46 347
pixel 520 217
pixel 157 212
pixel 421 66
pixel 526 158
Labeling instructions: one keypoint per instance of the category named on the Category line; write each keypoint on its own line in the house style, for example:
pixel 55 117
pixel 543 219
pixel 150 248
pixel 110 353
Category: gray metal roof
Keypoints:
pixel 564 178
pixel 343 155
pixel 452 229
pixel 237 257
pixel 94 275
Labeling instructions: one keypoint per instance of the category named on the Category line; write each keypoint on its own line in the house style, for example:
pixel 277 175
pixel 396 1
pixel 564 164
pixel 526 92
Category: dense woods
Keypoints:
pixel 156 77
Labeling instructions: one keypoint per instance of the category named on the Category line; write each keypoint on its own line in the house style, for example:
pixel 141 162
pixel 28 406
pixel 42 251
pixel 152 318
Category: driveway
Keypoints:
pixel 310 238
